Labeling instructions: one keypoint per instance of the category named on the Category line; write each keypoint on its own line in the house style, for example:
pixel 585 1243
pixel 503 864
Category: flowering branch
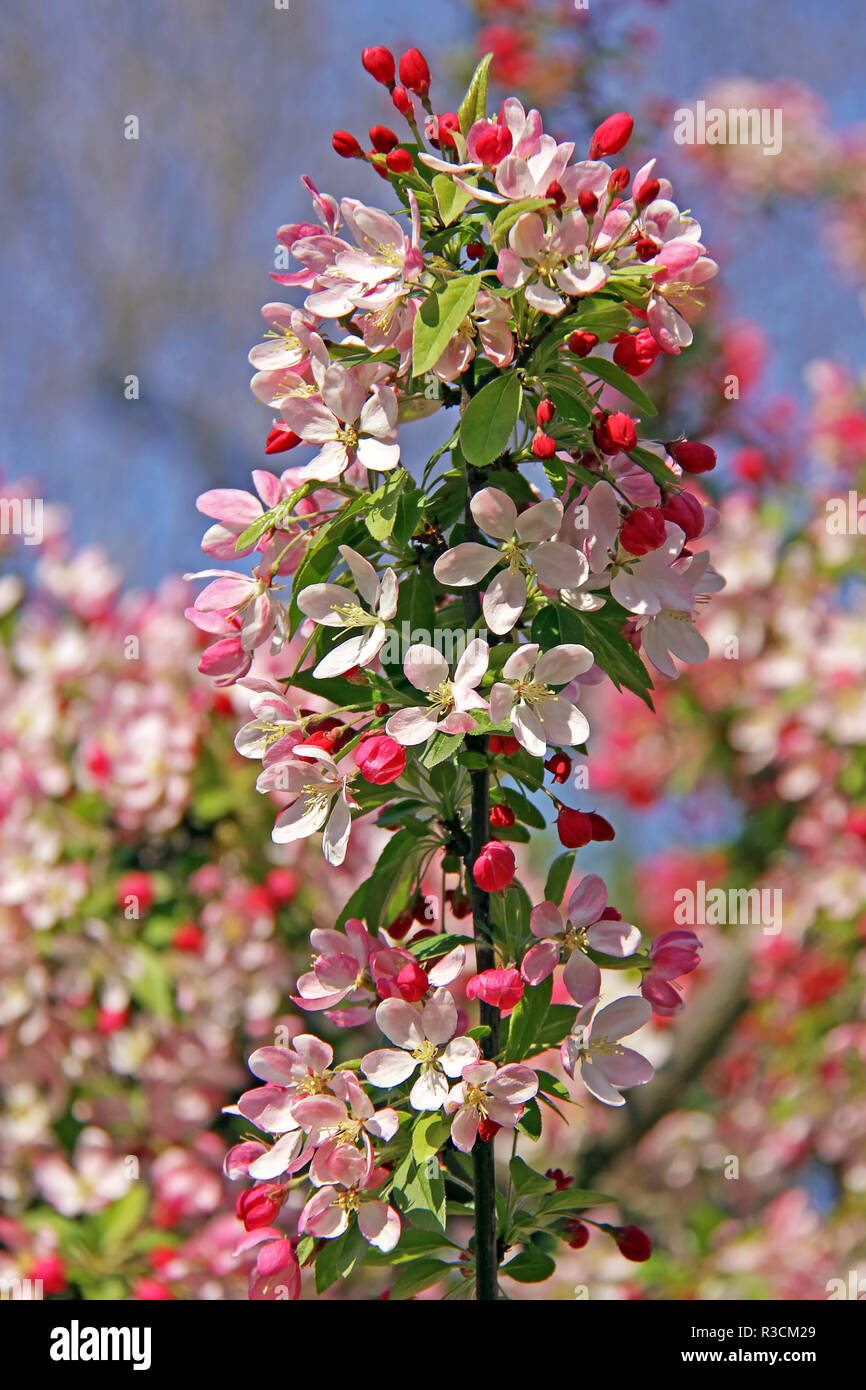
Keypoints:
pixel 552 531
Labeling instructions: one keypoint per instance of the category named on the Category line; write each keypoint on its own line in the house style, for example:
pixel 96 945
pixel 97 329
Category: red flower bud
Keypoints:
pixel 138 886
pixel 545 411
pixel 503 743
pixel 543 446
pixel 487 1128
pixel 633 1243
pixel 379 63
pixel 577 1233
pixel 412 983
pixel 615 433
pixel 646 193
pixel 501 816
pixel 559 766
pixel 494 868
pixel 188 937
pixel 685 511
pixel 556 194
pixel 439 129
pixel 574 828
pixel 601 830
pixel 618 179
pixel 401 924
pixel 643 530
pixel 382 139
pixel 645 248
pixel 280 439
pixel 402 101
pixel 582 343
pixel 611 135
pixel 382 709
pixel 691 456
pixel 561 1181
pixel 346 145
pixel 414 72
pixel 399 161
pixel 475 250
pixel 259 1205
pixel 636 352
pixel 460 906
pixel 500 988
pixel 750 464
pixel 587 201
pixel 380 759
pixel 493 143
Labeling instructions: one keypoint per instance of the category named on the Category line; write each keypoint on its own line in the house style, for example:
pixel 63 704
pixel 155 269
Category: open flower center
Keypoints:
pixel 313 1084
pixel 533 692
pixel 349 1131
pixel 477 1096
pixel 353 615
pixel 349 1200
pixel 515 556
pixel 442 698
pixel 348 436
pixel 604 1047
pixel 425 1053
pixel 316 796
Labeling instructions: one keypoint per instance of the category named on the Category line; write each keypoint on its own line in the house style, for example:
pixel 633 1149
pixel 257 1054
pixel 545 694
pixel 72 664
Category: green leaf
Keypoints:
pixel 439 748
pixel 450 199
pixel 523 807
pixel 616 377
pixel 381 511
pixel 575 1199
pixel 530 1121
pixel 526 1018
pixel 557 877
pixel 438 319
pixel 418 1275
pixel 473 107
pixel 337 1258
pixel 530 1267
pixel 526 1181
pixel 116 1224
pixel 600 631
pixel 428 1136
pixel 437 945
pixel 489 419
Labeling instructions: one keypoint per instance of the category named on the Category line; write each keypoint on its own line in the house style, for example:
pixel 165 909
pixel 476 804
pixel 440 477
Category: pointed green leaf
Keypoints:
pixel 489 419
pixel 438 319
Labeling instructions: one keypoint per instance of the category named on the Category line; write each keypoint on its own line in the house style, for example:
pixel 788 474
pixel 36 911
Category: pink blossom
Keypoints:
pixel 488 1092
pixel 318 797
pixel 449 699
pixel 425 1037
pixel 538 714
pixel 593 1045
pixel 331 605
pixel 528 549
pixel 549 261
pixel 586 925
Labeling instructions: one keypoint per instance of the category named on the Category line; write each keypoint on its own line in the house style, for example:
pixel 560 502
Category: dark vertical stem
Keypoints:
pixel 486 1256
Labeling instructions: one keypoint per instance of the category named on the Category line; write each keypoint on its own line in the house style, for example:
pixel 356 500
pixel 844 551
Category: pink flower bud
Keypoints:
pixel 643 530
pixel 135 885
pixel 379 63
pixel 414 72
pixel 412 983
pixel 500 988
pixel 259 1205
pixel 346 145
pixel 611 135
pixel 685 511
pixel 491 144
pixel 494 868
pixel 636 352
pixel 692 456
pixel 380 759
